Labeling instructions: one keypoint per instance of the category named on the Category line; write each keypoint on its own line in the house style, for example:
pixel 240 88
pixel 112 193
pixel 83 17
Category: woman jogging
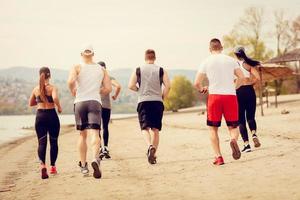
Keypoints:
pixel 247 98
pixel 106 112
pixel 45 97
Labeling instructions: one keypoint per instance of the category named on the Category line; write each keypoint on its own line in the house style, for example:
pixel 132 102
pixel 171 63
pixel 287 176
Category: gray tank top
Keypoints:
pixel 150 83
pixel 106 103
pixel 106 99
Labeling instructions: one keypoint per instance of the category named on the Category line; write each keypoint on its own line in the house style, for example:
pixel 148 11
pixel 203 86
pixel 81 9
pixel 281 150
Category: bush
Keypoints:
pixel 182 94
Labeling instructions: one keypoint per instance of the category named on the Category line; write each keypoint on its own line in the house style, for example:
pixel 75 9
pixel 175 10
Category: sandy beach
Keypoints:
pixel 184 169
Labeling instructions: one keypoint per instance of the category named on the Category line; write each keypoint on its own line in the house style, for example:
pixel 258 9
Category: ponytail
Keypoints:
pixel 240 53
pixel 43 87
pixel 44 74
pixel 251 62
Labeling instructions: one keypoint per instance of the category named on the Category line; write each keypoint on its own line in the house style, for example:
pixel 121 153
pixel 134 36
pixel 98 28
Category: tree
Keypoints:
pixel 182 94
pixel 296 30
pixel 286 34
pixel 247 32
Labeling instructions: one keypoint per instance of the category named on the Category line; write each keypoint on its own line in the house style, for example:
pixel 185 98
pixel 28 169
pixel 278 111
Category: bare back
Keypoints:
pixel 47 104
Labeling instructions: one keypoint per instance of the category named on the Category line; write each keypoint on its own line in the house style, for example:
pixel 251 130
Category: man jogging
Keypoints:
pixel 222 101
pixel 86 82
pixel 147 81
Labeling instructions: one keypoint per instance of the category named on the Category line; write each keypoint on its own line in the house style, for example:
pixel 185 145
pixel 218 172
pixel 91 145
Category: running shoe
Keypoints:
pixel 246 148
pixel 256 141
pixel 236 153
pixel 53 170
pixel 219 161
pixel 84 169
pixel 151 155
pixel 106 153
pixel 101 154
pixel 44 174
pixel 96 166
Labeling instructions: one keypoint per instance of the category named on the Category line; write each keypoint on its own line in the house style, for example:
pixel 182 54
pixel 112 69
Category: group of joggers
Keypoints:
pixel 231 94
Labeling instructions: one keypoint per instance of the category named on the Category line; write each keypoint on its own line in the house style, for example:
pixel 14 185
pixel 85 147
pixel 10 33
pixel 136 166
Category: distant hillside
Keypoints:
pixel 31 74
pixel 122 75
pixel 16 84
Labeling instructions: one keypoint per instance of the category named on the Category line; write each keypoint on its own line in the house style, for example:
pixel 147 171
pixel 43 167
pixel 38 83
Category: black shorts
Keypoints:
pixel 150 114
pixel 88 115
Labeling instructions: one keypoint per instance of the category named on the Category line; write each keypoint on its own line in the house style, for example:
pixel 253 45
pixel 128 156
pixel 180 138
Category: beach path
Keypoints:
pixel 184 169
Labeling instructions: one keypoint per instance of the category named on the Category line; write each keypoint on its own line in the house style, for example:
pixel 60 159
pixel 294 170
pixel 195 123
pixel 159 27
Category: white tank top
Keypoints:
pixel 246 73
pixel 89 82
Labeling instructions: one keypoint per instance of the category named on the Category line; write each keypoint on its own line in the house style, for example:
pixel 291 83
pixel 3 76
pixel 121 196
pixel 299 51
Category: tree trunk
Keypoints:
pixel 260 93
pixel 276 93
pixel 298 77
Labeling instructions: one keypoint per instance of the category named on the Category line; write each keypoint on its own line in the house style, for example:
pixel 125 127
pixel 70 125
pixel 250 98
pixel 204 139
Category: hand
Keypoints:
pixel 246 81
pixel 204 90
pixel 114 97
pixel 59 109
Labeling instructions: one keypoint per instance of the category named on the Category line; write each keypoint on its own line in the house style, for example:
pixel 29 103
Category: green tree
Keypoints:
pixel 182 94
pixel 247 32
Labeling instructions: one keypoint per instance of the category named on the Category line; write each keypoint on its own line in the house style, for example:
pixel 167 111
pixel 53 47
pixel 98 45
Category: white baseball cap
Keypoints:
pixel 87 50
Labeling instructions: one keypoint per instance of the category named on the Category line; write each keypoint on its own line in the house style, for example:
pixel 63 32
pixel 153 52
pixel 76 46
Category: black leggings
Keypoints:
pixel 247 107
pixel 47 122
pixel 105 121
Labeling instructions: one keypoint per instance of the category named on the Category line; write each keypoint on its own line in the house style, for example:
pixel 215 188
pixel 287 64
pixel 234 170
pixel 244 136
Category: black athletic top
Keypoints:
pixel 39 100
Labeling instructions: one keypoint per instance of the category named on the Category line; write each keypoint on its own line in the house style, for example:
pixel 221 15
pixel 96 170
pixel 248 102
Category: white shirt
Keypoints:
pixel 219 69
pixel 246 73
pixel 89 82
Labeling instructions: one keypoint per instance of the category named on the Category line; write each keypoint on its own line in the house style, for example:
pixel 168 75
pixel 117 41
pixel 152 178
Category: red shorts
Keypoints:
pixel 218 105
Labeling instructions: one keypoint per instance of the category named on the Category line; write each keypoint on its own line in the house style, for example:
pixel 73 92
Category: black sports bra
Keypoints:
pixel 39 100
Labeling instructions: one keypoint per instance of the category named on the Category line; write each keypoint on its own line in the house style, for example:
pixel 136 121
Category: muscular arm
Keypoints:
pixel 106 84
pixel 32 101
pixel 239 74
pixel 118 89
pixel 56 99
pixel 132 82
pixel 167 85
pixel 198 82
pixel 72 79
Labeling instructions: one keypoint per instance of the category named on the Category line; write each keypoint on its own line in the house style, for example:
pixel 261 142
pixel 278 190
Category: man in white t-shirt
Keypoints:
pixel 220 70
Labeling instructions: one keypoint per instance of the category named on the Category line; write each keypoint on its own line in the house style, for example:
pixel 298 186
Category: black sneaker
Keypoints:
pixel 101 154
pixel 106 153
pixel 246 149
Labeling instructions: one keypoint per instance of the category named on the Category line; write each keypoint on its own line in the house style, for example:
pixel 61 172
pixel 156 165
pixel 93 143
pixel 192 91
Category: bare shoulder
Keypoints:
pixel 35 90
pixel 50 88
pixel 77 68
pixel 247 66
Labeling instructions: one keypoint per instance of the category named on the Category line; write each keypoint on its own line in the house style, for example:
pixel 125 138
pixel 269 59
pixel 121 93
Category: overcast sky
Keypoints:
pixel 38 33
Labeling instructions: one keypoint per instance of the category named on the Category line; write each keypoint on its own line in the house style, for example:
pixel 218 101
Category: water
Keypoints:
pixel 15 126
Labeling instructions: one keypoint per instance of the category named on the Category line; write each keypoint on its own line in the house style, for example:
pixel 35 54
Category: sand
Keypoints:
pixel 184 169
